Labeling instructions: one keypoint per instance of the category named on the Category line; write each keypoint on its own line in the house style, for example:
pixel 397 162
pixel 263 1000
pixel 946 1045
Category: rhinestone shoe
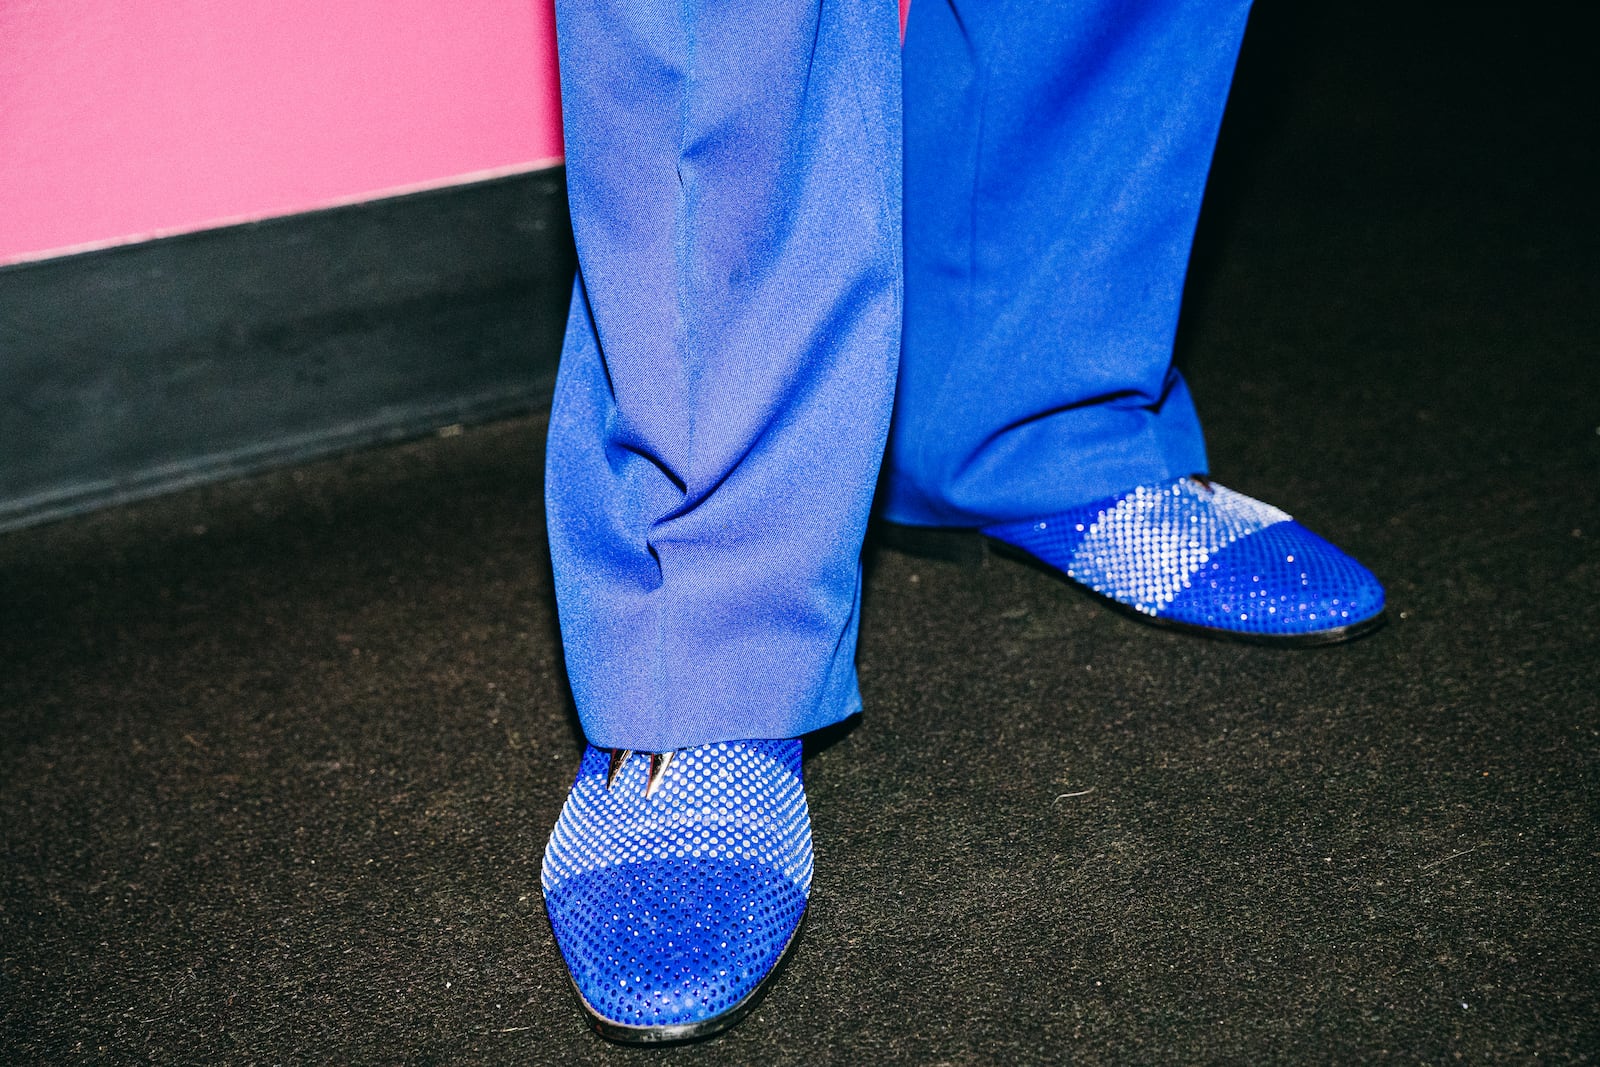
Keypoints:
pixel 675 884
pixel 1193 555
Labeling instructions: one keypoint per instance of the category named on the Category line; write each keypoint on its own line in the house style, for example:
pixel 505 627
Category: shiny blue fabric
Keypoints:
pixel 729 365
pixel 730 359
pixel 1055 157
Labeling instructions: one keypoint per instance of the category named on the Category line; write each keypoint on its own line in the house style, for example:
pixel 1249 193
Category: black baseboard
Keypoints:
pixel 139 369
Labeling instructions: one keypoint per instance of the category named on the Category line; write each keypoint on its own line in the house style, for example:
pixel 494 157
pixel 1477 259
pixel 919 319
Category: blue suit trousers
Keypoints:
pixel 748 255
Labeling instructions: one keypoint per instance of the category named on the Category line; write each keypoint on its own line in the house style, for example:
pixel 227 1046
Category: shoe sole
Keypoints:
pixel 970 547
pixel 623 1034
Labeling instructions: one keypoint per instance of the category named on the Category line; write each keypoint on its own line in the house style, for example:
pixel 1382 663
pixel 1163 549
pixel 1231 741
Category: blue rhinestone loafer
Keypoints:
pixel 1196 556
pixel 675 884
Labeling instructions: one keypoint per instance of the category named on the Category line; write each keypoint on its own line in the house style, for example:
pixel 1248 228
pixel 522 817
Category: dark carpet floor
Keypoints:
pixel 279 756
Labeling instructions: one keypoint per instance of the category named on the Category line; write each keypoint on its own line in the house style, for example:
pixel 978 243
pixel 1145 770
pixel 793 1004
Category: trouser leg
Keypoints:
pixel 1055 157
pixel 729 363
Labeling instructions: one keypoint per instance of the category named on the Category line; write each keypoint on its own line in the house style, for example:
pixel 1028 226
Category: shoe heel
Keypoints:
pixel 948 543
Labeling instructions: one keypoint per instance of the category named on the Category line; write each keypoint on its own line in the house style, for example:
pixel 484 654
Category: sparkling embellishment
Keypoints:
pixel 1194 552
pixel 671 908
pixel 619 759
pixel 1146 547
pixel 659 762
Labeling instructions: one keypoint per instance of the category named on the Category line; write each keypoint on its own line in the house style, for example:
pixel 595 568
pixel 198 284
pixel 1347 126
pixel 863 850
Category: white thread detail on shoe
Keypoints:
pixel 1146 549
pixel 723 802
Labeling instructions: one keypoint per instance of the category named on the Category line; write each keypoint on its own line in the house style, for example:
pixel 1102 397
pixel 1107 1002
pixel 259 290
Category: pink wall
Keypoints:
pixel 120 121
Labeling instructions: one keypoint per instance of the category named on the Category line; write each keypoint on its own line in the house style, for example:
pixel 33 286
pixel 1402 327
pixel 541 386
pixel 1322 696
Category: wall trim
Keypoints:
pixel 140 369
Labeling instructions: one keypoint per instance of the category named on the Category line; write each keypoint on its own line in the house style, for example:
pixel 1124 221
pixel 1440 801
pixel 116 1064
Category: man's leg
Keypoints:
pixel 729 363
pixel 1055 160
pixel 719 419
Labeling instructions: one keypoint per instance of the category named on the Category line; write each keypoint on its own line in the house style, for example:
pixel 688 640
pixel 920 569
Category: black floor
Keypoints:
pixel 279 756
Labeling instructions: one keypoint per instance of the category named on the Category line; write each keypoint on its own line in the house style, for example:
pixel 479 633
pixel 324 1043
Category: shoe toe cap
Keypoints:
pixel 666 943
pixel 1283 580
